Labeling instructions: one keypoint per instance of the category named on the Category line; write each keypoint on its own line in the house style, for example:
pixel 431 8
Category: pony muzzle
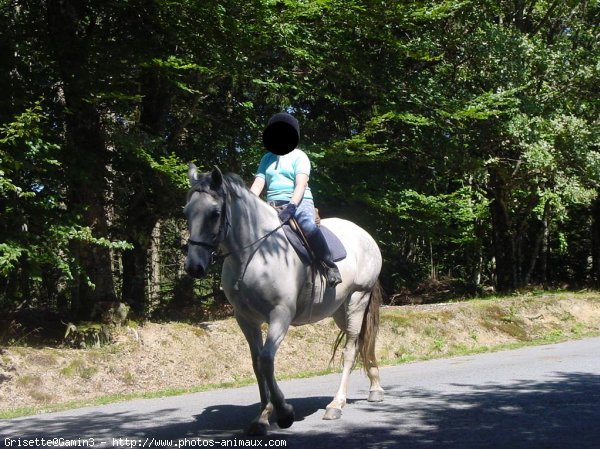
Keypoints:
pixel 196 265
pixel 195 271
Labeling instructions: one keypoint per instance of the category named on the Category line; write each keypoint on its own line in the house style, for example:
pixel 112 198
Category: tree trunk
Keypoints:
pixel 87 196
pixel 141 214
pixel 156 101
pixel 540 239
pixel 87 157
pixel 502 235
pixel 595 275
pixel 8 54
pixel 143 201
pixel 545 253
pixel 503 248
pixel 155 276
pixel 134 278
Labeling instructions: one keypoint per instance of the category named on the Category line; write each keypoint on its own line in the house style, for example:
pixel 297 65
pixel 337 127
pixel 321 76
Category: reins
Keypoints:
pixel 267 235
pixel 224 227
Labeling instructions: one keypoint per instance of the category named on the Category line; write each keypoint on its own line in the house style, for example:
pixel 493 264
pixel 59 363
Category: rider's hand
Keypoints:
pixel 287 212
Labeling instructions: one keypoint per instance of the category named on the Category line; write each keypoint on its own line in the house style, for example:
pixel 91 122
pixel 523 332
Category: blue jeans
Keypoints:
pixel 305 216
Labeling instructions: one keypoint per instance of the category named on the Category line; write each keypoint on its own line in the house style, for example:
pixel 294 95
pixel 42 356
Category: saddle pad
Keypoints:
pixel 338 252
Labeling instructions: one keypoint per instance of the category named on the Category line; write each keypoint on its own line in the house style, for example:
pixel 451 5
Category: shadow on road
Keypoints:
pixel 560 413
pixel 217 420
pixel 222 421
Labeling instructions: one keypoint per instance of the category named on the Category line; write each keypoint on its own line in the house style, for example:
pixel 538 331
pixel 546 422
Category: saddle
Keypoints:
pixel 300 244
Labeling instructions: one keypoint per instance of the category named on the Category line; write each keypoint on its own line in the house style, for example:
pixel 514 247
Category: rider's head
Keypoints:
pixel 282 134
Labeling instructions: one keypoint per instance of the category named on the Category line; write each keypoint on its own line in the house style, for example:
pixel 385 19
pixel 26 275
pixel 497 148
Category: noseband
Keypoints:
pixel 214 251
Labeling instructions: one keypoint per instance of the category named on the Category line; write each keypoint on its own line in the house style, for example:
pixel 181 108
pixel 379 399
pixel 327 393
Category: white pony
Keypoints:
pixel 266 282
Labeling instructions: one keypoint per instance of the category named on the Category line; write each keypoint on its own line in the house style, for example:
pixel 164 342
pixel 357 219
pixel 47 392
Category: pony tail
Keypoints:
pixel 370 329
pixel 338 341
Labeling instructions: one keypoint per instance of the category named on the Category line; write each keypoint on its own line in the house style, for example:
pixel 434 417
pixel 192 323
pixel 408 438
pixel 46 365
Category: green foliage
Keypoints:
pixel 422 119
pixel 445 216
pixel 10 253
pixel 27 164
pixel 37 230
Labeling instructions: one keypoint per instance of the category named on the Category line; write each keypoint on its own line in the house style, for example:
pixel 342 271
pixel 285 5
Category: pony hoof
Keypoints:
pixel 257 429
pixel 375 396
pixel 285 416
pixel 332 413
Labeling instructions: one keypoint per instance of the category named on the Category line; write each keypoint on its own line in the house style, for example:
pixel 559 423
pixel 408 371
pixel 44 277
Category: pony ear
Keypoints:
pixel 216 179
pixel 192 173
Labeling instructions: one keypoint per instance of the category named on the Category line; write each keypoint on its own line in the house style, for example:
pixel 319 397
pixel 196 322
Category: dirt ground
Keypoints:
pixel 175 357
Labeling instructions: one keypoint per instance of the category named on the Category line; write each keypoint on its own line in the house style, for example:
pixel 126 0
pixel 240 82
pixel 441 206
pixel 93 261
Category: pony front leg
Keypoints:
pixel 279 322
pixel 253 335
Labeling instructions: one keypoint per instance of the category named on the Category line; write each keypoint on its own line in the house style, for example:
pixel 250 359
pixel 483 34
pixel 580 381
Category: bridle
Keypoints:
pixel 224 228
pixel 213 246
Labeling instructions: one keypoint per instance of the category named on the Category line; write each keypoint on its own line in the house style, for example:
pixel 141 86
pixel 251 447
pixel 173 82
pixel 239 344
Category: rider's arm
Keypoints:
pixel 258 185
pixel 299 188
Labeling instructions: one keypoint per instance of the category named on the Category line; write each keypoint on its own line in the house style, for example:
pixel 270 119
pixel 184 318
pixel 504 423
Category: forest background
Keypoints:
pixel 463 135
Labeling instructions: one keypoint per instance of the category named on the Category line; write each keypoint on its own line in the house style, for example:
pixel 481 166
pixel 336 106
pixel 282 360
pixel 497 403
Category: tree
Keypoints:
pixel 463 135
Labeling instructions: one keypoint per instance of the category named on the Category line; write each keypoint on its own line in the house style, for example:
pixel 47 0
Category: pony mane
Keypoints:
pixel 234 182
pixel 231 181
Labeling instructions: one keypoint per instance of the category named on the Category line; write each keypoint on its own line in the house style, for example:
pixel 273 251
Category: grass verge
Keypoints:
pixel 407 334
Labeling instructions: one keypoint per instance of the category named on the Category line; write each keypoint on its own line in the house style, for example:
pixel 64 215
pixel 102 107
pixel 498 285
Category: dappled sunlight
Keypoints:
pixel 524 414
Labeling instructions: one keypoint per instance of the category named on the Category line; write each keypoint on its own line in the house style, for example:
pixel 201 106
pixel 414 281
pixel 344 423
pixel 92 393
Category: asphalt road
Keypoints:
pixel 538 397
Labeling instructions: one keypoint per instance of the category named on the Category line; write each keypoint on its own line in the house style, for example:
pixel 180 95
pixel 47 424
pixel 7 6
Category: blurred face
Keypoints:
pixel 280 138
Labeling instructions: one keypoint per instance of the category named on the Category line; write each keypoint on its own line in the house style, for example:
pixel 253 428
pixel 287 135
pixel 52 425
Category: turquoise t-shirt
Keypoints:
pixel 279 173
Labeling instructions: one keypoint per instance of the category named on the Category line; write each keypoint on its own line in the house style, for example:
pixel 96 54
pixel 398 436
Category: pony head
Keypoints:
pixel 205 213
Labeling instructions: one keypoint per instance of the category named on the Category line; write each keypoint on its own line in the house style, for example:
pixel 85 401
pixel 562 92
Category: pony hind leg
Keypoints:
pixel 375 391
pixel 349 319
pixel 360 321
